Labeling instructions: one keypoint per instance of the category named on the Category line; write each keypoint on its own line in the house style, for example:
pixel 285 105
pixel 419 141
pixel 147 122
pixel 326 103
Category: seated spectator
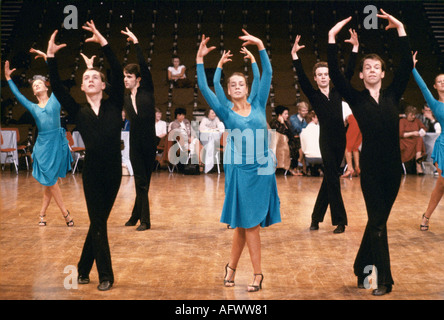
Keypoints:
pixel 180 130
pixel 282 126
pixel 177 74
pixel 125 122
pixel 211 123
pixel 210 132
pixel 428 119
pixel 297 123
pixel 161 126
pixel 411 131
pixel 310 144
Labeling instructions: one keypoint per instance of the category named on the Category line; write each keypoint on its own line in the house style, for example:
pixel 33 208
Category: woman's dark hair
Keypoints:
pixel 280 110
pixel 180 111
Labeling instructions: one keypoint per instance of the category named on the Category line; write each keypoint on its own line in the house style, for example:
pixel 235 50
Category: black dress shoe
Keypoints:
pixel 382 290
pixel 82 280
pixel 339 229
pixel 105 285
pixel 130 223
pixel 143 226
pixel 314 225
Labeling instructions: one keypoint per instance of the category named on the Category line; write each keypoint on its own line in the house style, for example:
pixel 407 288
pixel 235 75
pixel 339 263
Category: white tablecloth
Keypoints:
pixel 78 142
pixel 9 141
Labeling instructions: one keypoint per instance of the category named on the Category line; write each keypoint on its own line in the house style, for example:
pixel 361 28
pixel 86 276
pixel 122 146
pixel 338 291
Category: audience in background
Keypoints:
pixel 411 131
pixel 310 144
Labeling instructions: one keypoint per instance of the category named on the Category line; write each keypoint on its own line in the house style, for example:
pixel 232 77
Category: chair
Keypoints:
pixel 21 149
pixel 160 151
pixel 9 154
pixel 78 151
pixel 173 166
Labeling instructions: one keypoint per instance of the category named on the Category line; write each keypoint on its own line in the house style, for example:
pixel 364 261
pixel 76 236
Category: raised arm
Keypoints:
pixel 209 95
pixel 340 82
pixel 267 71
pixel 58 89
pixel 147 79
pixel 402 72
pixel 116 82
pixel 350 68
pixel 303 80
pixel 20 97
pixel 256 74
pixel 220 93
pixel 429 98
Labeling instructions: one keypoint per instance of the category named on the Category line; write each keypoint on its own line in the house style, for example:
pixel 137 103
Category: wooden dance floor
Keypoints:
pixel 183 256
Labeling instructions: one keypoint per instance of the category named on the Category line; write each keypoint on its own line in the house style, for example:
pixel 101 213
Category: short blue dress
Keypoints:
pixel 51 155
pixel 437 108
pixel 251 196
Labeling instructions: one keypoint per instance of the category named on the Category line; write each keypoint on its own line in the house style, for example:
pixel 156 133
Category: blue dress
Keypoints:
pixel 51 155
pixel 437 108
pixel 251 196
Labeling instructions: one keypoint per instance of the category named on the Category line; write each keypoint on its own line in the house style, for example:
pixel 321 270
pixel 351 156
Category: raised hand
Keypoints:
pixel 131 37
pixel 353 39
pixel 88 61
pixel 40 54
pixel 393 23
pixel 203 49
pixel 336 28
pixel 8 71
pixel 296 47
pixel 250 39
pixel 97 36
pixel 52 46
pixel 248 54
pixel 226 55
pixel 414 58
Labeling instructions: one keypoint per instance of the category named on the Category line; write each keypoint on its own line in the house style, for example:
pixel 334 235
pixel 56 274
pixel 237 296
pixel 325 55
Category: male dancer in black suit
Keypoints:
pixel 377 112
pixel 139 108
pixel 327 103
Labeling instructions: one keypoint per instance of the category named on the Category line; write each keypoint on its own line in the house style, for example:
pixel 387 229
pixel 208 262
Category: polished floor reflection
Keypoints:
pixel 183 256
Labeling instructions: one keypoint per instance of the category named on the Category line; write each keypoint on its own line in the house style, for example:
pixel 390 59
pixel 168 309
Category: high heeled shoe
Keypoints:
pixel 42 222
pixel 69 223
pixel 348 174
pixel 424 227
pixel 229 282
pixel 253 287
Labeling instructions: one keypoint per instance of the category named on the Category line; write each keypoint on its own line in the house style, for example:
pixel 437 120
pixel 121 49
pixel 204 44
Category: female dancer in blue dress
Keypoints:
pixel 437 107
pixel 251 197
pixel 51 155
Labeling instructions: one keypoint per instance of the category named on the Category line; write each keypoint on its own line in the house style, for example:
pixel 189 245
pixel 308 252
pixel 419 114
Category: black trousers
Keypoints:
pixel 100 187
pixel 380 190
pixel 142 161
pixel 330 191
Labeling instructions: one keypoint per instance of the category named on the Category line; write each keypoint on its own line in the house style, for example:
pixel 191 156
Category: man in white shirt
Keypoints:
pixel 310 143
